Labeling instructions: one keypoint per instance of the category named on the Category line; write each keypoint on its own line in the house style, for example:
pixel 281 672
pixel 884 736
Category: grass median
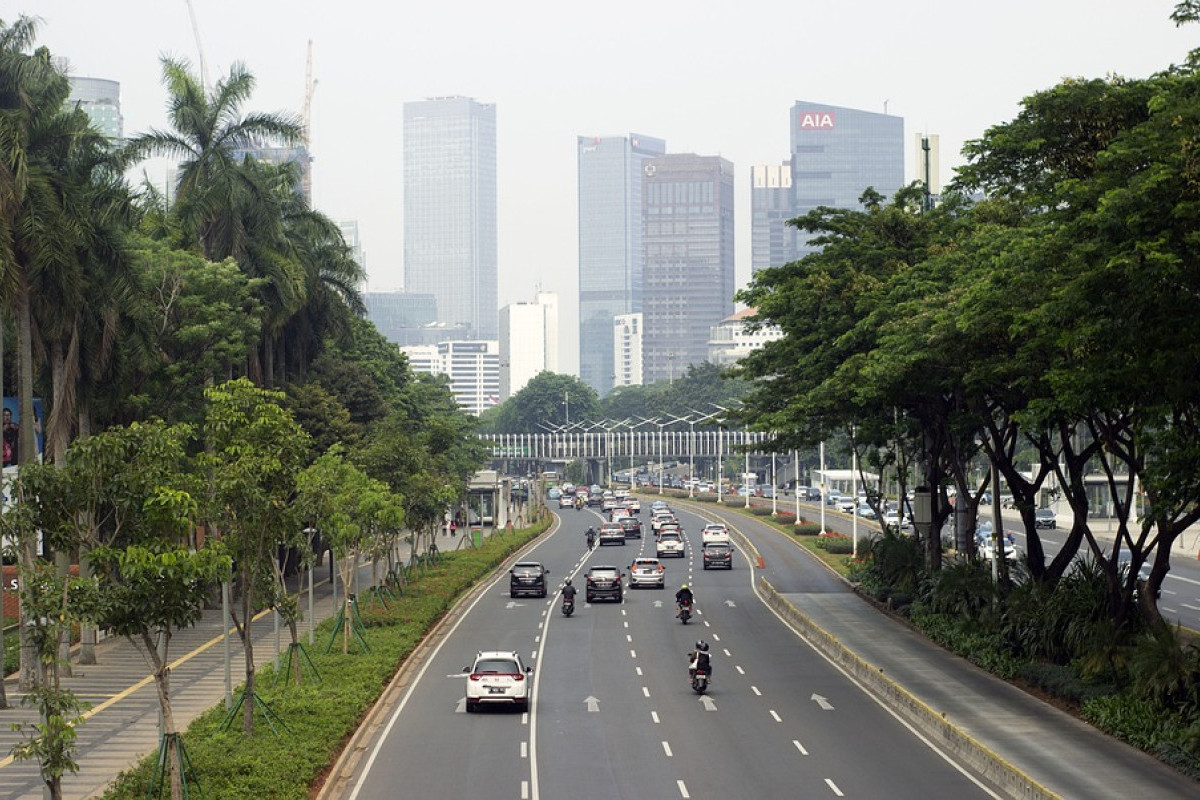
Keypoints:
pixel 320 717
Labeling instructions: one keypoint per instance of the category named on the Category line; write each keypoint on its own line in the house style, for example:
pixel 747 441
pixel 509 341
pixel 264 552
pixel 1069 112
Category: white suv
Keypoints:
pixel 498 676
pixel 714 532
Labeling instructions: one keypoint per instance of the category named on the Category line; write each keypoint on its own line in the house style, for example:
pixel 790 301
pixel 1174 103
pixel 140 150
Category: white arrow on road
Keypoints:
pixel 822 702
pixel 461 708
pixel 511 604
pixel 708 703
pixel 730 604
pixel 593 704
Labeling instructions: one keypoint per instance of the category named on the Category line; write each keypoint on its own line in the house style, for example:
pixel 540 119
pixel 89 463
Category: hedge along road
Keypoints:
pixel 613 715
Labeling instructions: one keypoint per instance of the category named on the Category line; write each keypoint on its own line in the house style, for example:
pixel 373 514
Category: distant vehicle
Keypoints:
pixel 1012 550
pixel 566 501
pixel 669 543
pixel 527 577
pixel 845 504
pixel 554 493
pixel 865 511
pixel 718 555
pixel 500 677
pixel 632 527
pixel 611 533
pixel 833 498
pixel 1045 518
pixel 603 582
pixel 647 572
pixel 568 488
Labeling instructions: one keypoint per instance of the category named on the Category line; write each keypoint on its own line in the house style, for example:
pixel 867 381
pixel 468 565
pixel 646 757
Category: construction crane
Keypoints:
pixel 199 44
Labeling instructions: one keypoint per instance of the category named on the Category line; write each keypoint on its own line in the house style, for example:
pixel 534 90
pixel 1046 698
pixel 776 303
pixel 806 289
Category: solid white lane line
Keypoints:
pixel 800 747
pixel 756 691
pixel 667 749
pixel 683 792
pixel 740 670
pixel 829 782
pixel 775 716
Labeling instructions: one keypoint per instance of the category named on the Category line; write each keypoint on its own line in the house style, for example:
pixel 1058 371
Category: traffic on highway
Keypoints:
pixel 599 704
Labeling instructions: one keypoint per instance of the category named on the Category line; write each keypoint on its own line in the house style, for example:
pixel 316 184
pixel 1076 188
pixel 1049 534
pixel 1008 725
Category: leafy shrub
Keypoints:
pixel 806 529
pixel 760 511
pixel 835 543
pixel 1062 681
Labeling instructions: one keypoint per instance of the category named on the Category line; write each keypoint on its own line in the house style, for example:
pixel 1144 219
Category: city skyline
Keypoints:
pixel 931 67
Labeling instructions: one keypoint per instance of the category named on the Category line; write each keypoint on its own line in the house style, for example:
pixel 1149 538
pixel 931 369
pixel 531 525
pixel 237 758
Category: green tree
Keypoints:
pixel 253 451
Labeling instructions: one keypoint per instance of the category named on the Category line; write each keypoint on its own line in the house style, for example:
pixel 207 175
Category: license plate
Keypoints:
pixel 496 690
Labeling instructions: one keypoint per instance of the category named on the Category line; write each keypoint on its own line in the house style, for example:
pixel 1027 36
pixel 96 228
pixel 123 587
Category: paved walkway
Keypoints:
pixel 122 724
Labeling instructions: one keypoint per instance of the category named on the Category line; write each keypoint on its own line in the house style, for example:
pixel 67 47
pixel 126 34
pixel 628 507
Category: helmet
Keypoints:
pixel 568 581
pixel 702 646
pixel 684 586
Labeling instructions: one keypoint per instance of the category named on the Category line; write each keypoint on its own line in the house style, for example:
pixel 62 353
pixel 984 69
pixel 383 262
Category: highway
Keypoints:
pixel 613 715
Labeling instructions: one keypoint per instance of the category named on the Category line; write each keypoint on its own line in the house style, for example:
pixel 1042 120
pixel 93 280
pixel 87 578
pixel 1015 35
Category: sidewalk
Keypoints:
pixel 122 725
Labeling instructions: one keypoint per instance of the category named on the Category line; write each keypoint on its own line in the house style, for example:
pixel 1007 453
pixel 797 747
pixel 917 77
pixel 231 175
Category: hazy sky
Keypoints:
pixel 714 78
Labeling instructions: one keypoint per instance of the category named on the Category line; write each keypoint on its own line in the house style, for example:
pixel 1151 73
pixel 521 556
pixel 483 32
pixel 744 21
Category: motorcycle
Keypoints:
pixel 685 612
pixel 699 676
pixel 568 606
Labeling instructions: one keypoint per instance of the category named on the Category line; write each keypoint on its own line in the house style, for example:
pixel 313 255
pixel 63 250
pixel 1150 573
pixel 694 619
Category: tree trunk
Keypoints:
pixel 162 686
pixel 26 454
pixel 248 648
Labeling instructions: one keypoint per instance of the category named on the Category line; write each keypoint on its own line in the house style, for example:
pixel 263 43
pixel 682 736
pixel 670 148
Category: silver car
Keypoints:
pixel 647 572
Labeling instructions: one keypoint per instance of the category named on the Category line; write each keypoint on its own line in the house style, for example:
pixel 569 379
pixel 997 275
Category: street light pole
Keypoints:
pixel 746 477
pixel 824 491
pixel 796 482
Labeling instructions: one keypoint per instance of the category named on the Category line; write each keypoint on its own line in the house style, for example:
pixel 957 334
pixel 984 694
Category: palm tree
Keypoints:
pixel 208 130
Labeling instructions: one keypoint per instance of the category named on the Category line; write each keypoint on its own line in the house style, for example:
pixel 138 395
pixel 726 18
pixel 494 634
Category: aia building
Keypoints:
pixel 836 154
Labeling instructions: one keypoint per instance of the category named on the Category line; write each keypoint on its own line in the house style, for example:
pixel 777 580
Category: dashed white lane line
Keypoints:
pixel 654 717
pixel 524 790
pixel 740 670
pixel 800 747
pixel 633 653
pixel 629 637
pixel 775 716
pixel 716 638
pixel 524 749
pixel 726 651
pixel 829 782
pixel 645 691
pixel 756 691
pixel 638 670
pixel 667 749
pixel 683 792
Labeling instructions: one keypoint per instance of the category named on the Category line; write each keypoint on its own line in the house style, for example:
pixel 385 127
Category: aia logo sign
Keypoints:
pixel 816 120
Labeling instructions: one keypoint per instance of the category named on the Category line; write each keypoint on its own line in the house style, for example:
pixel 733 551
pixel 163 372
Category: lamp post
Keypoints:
pixel 824 491
pixel 746 475
pixel 854 491
pixel 633 428
pixel 720 454
pixel 774 486
pixel 692 444
pixel 796 482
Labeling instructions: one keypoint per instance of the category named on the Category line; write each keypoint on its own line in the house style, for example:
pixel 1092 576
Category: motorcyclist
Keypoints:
pixel 591 538
pixel 683 597
pixel 699 659
pixel 568 591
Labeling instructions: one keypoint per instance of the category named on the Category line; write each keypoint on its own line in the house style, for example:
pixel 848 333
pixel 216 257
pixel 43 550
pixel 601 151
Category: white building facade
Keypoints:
pixel 528 342
pixel 627 350
pixel 473 367
pixel 730 341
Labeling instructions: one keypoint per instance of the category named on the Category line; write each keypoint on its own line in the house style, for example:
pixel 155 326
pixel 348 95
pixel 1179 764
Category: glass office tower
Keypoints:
pixel 689 271
pixel 610 244
pixel 450 246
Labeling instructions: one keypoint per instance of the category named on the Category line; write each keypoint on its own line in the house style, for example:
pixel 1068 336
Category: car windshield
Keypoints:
pixel 604 573
pixel 497 666
pixel 528 569
pixel 668 536
pixel 717 548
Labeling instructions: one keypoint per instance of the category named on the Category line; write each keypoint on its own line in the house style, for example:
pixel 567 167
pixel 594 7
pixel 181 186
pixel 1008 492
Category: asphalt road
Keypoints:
pixel 614 717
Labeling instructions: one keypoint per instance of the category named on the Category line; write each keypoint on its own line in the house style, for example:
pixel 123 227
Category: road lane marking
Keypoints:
pixel 638 670
pixel 654 716
pixel 683 792
pixel 775 716
pixel 727 653
pixel 633 653
pixel 667 749
pixel 829 782
pixel 716 638
pixel 645 691
pixel 524 790
pixel 756 691
pixel 628 638
pixel 524 749
pixel 740 670
pixel 800 747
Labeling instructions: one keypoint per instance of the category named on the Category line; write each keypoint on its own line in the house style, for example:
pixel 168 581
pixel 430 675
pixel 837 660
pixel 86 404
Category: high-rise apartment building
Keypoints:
pixel 732 340
pixel 688 278
pixel 627 349
pixel 473 368
pixel 401 316
pixel 528 342
pixel 100 99
pixel 450 246
pixel 836 154
pixel 610 244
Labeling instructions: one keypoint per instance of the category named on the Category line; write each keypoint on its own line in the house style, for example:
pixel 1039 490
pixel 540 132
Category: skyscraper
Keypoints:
pixel 528 342
pixel 450 209
pixel 836 154
pixel 100 99
pixel 688 278
pixel 610 244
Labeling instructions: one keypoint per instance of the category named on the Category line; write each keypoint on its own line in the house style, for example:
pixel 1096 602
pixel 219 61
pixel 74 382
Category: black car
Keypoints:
pixel 527 577
pixel 603 583
pixel 718 555
pixel 632 527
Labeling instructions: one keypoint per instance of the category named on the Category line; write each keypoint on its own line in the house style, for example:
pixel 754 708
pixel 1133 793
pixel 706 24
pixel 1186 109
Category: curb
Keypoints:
pixel 932 723
pixel 342 772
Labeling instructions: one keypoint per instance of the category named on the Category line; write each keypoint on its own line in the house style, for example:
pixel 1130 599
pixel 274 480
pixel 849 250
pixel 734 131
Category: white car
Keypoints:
pixel 891 519
pixel 670 543
pixel 566 501
pixel 714 532
pixel 846 505
pixel 498 677
pixel 661 518
pixel 647 572
pixel 634 505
